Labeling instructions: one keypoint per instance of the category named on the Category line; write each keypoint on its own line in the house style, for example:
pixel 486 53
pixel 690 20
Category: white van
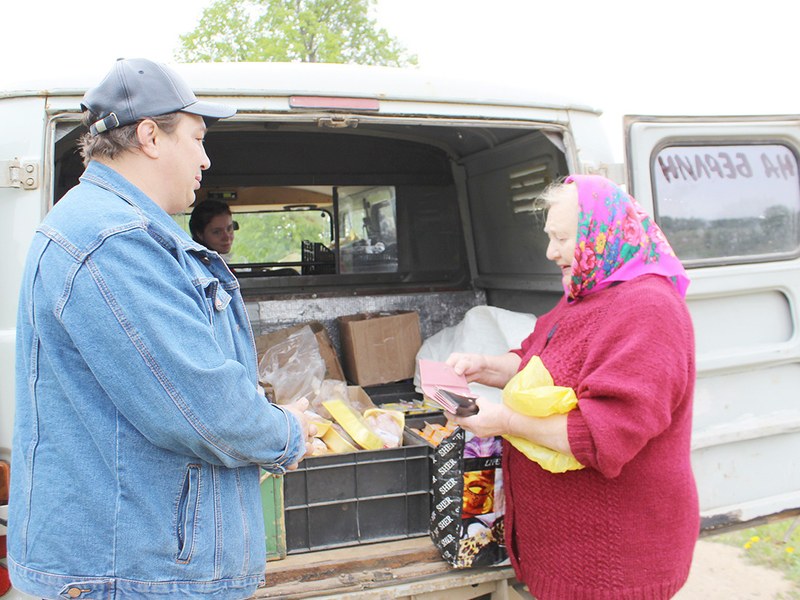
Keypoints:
pixel 416 194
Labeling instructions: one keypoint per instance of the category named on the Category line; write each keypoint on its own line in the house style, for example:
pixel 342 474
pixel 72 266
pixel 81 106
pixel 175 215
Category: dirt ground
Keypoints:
pixel 721 572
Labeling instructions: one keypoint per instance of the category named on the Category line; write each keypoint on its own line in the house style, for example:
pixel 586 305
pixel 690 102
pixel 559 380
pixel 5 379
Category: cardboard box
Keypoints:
pixel 379 347
pixel 333 368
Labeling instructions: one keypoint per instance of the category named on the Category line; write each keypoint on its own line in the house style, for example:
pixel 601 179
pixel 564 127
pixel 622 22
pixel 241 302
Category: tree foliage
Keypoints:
pixel 273 236
pixel 328 31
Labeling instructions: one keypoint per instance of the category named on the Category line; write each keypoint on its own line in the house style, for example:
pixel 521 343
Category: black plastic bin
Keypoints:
pixel 322 258
pixel 338 500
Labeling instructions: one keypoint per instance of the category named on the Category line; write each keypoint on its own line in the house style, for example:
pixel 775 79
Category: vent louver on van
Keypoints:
pixel 526 185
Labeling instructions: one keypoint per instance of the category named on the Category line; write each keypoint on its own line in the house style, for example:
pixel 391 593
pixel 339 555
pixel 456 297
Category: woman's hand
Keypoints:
pixel 469 365
pixel 492 419
pixel 494 371
pixel 498 419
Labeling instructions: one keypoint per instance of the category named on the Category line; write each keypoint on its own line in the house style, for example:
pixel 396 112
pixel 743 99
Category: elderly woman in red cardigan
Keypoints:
pixel 624 526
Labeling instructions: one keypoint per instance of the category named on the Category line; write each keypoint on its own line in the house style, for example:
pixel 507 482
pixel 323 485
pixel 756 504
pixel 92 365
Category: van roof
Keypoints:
pixel 319 79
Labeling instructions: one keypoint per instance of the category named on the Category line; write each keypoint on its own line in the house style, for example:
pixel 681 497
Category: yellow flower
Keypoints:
pixel 755 538
pixel 747 545
pixel 600 243
pixel 789 549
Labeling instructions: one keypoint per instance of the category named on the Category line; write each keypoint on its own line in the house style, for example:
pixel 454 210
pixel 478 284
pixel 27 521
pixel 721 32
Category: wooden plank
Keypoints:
pixel 385 556
pixel 386 570
pixel 415 582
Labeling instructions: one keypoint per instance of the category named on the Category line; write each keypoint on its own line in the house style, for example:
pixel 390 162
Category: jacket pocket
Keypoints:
pixel 188 506
pixel 217 299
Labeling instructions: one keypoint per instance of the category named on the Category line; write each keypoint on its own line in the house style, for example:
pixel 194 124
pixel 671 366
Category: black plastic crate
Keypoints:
pixel 338 500
pixel 322 258
pixel 417 423
pixel 396 392
pixel 392 392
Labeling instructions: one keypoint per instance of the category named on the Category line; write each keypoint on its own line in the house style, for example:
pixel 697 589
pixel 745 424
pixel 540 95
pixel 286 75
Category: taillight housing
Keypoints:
pixel 5 472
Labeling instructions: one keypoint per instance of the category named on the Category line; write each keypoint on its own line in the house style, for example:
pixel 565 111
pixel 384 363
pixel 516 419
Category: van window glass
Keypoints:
pixel 728 203
pixel 277 236
pixel 302 236
pixel 368 229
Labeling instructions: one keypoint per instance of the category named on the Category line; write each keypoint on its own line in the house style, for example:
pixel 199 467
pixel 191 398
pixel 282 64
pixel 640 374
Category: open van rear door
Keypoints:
pixel 726 192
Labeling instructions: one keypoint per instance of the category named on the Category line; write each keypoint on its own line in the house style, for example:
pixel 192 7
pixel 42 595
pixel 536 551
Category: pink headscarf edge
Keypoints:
pixel 678 276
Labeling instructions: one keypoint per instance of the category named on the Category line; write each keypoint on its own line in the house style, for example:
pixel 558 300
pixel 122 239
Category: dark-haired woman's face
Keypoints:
pixel 218 234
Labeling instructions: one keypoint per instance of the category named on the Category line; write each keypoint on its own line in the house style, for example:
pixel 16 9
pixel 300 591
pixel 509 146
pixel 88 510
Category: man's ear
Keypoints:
pixel 147 132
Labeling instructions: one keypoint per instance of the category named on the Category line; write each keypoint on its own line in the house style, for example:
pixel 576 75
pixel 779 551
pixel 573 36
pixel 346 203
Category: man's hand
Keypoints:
pixel 298 409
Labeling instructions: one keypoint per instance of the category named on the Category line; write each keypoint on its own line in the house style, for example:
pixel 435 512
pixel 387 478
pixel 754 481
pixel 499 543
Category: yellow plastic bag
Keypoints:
pixel 531 392
pixel 337 440
pixel 322 423
pixel 354 424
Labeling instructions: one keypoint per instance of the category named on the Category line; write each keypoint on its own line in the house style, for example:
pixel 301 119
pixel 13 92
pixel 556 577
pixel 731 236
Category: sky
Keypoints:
pixel 678 57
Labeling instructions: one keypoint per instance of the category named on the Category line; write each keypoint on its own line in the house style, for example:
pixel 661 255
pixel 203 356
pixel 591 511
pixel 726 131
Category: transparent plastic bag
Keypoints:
pixel 388 424
pixel 293 368
pixel 369 427
pixel 531 392
pixel 330 389
pixel 354 424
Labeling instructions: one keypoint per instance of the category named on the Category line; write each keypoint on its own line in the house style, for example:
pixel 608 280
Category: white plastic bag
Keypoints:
pixel 483 330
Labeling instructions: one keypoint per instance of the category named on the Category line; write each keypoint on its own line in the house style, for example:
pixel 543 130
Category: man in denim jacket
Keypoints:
pixel 140 429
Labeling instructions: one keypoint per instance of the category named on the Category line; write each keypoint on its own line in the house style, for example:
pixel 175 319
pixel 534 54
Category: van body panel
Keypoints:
pixel 460 165
pixel 745 309
pixel 21 210
pixel 283 80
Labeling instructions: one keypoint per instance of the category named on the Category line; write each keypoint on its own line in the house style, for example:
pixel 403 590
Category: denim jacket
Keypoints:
pixel 140 429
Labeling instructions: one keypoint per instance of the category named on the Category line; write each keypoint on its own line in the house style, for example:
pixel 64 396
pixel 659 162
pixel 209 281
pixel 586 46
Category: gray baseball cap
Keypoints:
pixel 137 88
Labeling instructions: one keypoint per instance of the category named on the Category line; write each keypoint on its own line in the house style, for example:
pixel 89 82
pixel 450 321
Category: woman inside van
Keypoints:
pixel 212 225
pixel 624 525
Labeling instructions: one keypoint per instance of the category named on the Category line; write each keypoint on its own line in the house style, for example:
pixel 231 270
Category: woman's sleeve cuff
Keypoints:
pixel 580 439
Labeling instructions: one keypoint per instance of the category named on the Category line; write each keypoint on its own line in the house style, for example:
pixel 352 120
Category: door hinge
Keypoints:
pixel 614 171
pixel 16 174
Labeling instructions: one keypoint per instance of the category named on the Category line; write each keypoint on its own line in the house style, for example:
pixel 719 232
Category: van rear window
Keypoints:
pixel 273 239
pixel 728 203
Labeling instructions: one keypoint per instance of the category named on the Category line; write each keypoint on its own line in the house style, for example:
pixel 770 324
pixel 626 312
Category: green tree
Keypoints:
pixel 272 236
pixel 328 31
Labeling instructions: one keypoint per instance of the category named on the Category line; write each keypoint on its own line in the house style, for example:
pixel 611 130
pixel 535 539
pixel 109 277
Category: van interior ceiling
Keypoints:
pixel 379 204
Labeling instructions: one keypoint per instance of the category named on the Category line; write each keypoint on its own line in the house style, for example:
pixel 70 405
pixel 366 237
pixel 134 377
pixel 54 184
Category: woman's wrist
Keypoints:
pixel 501 368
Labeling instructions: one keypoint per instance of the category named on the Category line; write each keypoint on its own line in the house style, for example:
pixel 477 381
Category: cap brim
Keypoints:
pixel 210 110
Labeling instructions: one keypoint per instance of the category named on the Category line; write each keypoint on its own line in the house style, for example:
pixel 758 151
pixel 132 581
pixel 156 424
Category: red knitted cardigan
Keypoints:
pixel 624 527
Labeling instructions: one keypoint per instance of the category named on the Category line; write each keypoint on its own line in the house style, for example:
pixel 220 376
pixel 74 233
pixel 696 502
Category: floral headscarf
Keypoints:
pixel 617 240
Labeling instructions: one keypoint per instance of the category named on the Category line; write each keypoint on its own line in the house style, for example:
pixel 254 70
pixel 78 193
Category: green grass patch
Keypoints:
pixel 772 545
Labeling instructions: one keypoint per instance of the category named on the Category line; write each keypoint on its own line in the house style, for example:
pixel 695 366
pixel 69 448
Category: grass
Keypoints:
pixel 772 545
